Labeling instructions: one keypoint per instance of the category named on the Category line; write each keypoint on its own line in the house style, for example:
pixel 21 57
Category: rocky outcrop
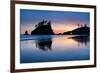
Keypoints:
pixel 79 31
pixel 43 28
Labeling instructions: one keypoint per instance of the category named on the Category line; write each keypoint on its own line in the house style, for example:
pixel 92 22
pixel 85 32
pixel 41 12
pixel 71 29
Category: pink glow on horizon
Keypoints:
pixel 57 28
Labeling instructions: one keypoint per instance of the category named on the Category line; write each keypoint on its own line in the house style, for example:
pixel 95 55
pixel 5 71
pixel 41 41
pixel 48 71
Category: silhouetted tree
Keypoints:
pixel 85 25
pixel 78 25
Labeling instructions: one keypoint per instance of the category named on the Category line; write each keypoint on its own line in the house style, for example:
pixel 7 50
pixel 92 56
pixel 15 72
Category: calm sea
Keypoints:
pixel 46 48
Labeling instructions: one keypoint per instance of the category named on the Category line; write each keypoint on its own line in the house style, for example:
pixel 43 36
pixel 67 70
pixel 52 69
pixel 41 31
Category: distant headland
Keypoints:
pixel 83 30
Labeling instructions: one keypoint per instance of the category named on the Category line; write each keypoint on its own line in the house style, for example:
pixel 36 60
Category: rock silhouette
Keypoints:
pixel 79 31
pixel 26 32
pixel 43 28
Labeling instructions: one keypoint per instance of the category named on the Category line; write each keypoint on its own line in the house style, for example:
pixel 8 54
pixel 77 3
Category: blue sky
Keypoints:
pixel 61 20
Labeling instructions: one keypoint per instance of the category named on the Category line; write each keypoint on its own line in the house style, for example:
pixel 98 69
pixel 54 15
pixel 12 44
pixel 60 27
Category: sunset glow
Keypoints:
pixel 62 29
pixel 61 21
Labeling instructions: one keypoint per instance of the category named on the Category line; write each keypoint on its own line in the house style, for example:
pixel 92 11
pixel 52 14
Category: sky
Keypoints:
pixel 61 21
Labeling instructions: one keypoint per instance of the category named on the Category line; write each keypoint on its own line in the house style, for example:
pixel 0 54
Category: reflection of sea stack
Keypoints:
pixel 44 44
pixel 43 28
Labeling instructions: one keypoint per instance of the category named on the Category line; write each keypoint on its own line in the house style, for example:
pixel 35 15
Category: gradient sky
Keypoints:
pixel 61 21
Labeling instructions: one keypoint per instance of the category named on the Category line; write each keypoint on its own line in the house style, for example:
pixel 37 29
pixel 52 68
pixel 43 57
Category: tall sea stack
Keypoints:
pixel 43 28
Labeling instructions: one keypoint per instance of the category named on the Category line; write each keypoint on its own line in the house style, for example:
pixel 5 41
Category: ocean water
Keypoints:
pixel 51 48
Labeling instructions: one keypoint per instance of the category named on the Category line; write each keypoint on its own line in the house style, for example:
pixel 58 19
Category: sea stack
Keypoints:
pixel 26 32
pixel 43 28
